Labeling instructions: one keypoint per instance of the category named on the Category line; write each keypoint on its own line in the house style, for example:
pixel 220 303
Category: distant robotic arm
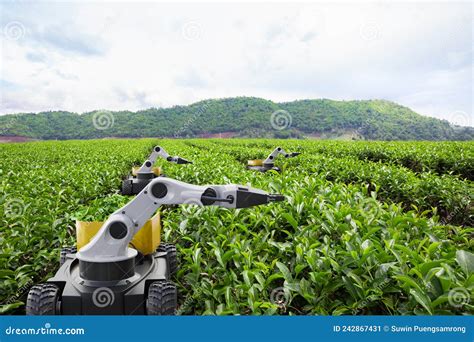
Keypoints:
pixel 272 156
pixel 110 244
pixel 160 152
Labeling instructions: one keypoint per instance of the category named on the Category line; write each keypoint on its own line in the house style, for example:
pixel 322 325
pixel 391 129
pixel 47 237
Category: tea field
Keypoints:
pixel 382 228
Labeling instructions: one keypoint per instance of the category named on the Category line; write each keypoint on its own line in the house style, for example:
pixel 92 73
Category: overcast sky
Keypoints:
pixel 82 57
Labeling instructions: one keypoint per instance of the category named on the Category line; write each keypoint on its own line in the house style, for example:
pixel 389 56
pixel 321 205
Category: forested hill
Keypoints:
pixel 242 117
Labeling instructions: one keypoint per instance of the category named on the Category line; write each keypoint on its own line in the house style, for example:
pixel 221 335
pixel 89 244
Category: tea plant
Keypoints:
pixel 367 228
pixel 41 185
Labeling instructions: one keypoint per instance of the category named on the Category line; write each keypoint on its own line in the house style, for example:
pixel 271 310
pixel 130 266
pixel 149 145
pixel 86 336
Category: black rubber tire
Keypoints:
pixel 127 187
pixel 64 252
pixel 162 299
pixel 171 257
pixel 43 300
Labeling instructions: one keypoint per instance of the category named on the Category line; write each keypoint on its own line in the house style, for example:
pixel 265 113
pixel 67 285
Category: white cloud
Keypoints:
pixel 81 57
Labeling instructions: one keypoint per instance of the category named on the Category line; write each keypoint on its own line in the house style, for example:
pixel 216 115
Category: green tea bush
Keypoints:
pixel 360 232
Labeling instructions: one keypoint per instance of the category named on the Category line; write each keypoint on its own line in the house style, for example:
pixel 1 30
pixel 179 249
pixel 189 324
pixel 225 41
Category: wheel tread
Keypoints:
pixel 42 300
pixel 171 257
pixel 64 252
pixel 162 298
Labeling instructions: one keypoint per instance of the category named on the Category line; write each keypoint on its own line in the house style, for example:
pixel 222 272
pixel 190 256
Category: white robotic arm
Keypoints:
pixel 272 156
pixel 160 152
pixel 110 244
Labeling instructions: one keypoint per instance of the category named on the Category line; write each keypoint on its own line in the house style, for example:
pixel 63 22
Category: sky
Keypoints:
pixel 131 56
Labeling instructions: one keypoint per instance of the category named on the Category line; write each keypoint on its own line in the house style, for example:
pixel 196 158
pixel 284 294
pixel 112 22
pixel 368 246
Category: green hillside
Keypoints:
pixel 242 117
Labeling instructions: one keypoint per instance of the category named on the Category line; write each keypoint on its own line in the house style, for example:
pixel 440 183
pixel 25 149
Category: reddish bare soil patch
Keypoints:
pixel 223 135
pixel 14 138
